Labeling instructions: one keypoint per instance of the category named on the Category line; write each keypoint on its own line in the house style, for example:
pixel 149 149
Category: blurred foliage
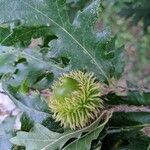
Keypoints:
pixel 137 10
pixel 137 43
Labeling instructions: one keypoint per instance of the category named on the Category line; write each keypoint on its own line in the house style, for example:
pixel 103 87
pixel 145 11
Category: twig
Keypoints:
pixel 126 108
pixel 135 89
pixel 126 129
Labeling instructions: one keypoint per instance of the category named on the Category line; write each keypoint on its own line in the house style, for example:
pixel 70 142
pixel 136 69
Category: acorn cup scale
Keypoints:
pixel 75 99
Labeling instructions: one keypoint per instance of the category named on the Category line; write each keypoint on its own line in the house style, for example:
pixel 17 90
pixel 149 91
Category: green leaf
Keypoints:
pixel 133 140
pixel 138 98
pixel 29 64
pixel 4 32
pixel 75 41
pixel 22 36
pixel 132 98
pixel 7 132
pixel 26 122
pixel 130 119
pixel 42 138
pixel 6 62
pixel 75 6
pixel 32 104
pixel 24 88
pixel 85 141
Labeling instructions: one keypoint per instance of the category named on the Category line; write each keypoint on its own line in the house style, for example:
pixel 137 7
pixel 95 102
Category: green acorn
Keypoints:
pixel 75 100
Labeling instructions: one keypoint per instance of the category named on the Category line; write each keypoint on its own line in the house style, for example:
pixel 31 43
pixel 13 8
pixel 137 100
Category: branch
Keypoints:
pixel 126 129
pixel 126 108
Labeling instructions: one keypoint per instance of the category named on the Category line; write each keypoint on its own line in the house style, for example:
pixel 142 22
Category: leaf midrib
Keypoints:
pixel 75 132
pixel 78 43
pixel 93 130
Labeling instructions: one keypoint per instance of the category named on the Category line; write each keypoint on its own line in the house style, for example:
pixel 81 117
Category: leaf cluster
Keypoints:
pixel 137 10
pixel 68 41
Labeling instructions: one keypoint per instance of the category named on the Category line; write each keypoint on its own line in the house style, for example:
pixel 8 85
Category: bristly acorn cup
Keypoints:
pixel 75 99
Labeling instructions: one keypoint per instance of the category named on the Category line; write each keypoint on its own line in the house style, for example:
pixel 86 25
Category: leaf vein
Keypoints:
pixel 78 43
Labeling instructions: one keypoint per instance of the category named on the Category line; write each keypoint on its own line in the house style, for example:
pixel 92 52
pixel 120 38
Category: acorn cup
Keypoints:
pixel 75 100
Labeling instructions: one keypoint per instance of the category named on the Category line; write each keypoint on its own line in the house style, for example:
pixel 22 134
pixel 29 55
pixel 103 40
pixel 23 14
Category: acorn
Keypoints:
pixel 75 100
